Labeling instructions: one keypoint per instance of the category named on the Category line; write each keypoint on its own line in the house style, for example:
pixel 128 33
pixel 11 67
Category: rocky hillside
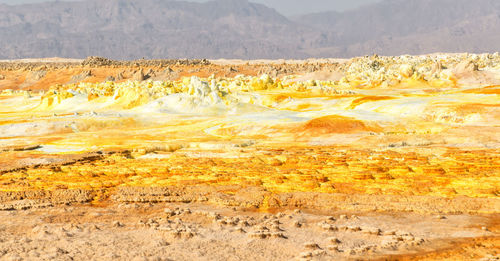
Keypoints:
pixel 127 29
pixel 395 27
pixel 132 29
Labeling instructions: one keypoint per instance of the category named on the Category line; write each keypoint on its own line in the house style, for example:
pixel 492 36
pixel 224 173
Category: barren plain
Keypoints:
pixel 378 158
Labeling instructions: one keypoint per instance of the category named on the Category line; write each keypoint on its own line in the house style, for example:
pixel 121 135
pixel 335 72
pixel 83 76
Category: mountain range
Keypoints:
pixel 132 29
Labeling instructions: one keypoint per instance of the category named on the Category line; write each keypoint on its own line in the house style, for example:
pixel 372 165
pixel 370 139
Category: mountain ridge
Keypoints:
pixel 132 29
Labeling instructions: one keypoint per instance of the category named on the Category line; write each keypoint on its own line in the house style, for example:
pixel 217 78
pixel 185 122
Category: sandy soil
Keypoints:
pixel 200 232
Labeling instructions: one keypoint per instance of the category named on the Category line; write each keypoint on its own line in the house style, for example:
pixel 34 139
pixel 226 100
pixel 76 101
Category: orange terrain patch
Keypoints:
pixel 335 124
pixel 360 101
pixel 486 90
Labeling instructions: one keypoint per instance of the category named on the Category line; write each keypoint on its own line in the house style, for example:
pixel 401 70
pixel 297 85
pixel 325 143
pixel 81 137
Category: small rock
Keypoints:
pixel 275 222
pixel 389 233
pixel 372 231
pixel 187 234
pixel 263 227
pixel 258 234
pixel 403 233
pixel 408 238
pixel 353 228
pixel 490 257
pixel 342 228
pixel 389 243
pixel 418 241
pixel 329 227
pixel 117 224
pixel 280 215
pixel 333 240
pixel 333 248
pixel 231 70
pixel 164 227
pixel 239 229
pixel 278 235
pixel 276 228
pixel 398 238
pixel 311 245
pixel 318 252
pixel 214 215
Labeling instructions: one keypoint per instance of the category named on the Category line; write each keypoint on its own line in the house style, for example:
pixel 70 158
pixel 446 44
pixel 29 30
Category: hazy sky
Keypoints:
pixel 287 7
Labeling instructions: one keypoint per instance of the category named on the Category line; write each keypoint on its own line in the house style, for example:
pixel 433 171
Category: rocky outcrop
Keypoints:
pixel 260 198
pixel 18 199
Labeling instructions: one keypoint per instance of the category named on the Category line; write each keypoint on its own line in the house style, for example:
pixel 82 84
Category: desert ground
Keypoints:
pixel 370 158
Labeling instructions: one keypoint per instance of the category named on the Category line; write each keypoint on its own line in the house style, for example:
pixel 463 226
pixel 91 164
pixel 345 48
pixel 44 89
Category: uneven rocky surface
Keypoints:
pixel 368 158
pixel 168 231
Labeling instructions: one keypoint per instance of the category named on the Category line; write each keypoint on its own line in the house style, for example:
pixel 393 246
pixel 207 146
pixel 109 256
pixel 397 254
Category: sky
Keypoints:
pixel 286 7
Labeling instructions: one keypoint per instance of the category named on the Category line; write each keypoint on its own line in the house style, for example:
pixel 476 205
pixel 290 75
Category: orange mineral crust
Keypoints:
pixel 321 169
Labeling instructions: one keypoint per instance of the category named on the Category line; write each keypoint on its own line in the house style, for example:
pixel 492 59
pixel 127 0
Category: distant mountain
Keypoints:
pixel 130 29
pixel 125 29
pixel 394 27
